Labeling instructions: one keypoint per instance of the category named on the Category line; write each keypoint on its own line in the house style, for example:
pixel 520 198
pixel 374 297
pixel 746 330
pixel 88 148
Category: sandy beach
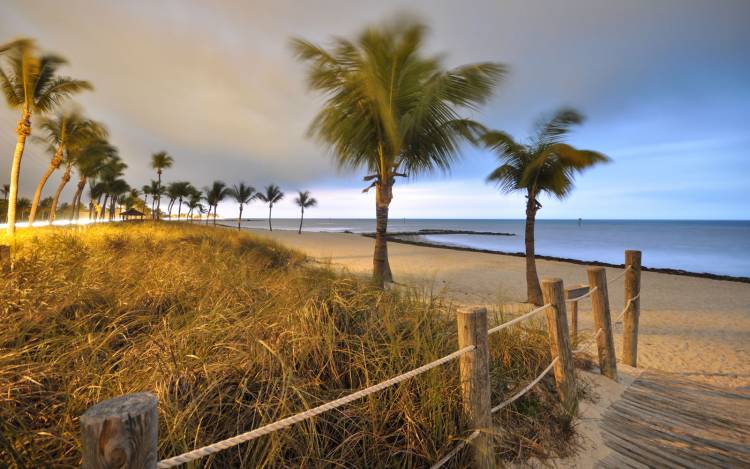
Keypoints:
pixel 694 327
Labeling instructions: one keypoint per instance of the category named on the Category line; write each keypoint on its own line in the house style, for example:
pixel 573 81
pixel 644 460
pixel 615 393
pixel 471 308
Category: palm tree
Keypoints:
pixel 90 163
pixel 272 195
pixel 117 191
pixel 160 161
pixel 392 110
pixel 194 202
pixel 93 133
pixel 242 194
pixel 5 190
pixel 177 191
pixel 45 204
pixel 304 201
pixel 32 84
pixel 156 191
pixel 61 132
pixel 545 165
pixel 109 175
pixel 23 205
pixel 214 195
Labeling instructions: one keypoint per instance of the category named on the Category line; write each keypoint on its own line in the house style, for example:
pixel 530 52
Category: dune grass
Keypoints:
pixel 231 332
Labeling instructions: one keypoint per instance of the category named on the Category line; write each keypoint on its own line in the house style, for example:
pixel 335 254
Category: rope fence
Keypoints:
pixel 131 421
pixel 289 421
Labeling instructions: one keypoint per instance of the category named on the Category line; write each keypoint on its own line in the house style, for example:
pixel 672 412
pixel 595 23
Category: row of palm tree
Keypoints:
pixel 396 112
pixel 243 194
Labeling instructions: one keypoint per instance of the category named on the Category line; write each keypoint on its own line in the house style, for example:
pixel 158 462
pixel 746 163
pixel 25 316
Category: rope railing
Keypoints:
pixel 622 274
pixel 299 417
pixel 528 387
pixel 518 319
pixel 503 404
pixel 586 295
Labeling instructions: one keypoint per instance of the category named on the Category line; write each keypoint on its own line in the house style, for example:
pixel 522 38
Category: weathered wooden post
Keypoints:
pixel 121 432
pixel 475 383
pixel 633 312
pixel 605 344
pixel 557 327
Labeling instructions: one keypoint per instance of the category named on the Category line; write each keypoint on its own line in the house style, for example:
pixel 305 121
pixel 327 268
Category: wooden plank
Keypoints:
pixel 665 420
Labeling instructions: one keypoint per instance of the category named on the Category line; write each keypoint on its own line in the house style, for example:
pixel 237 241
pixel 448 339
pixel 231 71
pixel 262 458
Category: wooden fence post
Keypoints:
pixel 557 326
pixel 633 313
pixel 121 432
pixel 475 383
pixel 602 321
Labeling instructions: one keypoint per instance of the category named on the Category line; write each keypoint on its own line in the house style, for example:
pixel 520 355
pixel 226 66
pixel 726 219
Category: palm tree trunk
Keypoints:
pixel 56 198
pixel 301 217
pixel 158 199
pixel 239 220
pixel 103 208
pixel 381 271
pixel 22 130
pixel 179 209
pixel 533 289
pixel 270 207
pixel 77 198
pixel 54 164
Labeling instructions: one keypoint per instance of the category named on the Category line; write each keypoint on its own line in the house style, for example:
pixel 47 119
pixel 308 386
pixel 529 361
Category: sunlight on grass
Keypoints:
pixel 230 332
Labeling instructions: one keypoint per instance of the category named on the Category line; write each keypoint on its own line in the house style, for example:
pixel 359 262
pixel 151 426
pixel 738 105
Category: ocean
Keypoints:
pixel 717 247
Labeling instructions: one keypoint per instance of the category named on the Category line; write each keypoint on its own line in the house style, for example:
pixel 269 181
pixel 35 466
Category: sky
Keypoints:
pixel 665 87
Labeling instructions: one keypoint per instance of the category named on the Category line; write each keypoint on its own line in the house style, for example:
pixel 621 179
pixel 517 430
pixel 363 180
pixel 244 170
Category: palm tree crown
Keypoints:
pixel 392 110
pixel 161 161
pixel 303 200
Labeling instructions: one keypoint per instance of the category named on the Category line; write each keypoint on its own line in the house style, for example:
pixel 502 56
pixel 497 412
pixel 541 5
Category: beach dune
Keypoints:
pixel 694 327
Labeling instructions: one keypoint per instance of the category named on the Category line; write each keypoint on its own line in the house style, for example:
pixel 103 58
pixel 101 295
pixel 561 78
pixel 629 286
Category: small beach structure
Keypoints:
pixel 131 214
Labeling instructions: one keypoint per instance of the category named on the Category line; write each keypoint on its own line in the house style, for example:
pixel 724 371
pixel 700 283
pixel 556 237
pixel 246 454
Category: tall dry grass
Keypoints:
pixel 232 332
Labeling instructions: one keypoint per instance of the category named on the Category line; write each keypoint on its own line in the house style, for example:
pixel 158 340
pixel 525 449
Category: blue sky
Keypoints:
pixel 665 87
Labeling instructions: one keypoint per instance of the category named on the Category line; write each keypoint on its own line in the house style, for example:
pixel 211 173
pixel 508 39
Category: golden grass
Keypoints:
pixel 232 332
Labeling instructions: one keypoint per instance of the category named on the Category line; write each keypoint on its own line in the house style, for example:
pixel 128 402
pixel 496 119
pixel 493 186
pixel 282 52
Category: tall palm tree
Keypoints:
pixel 177 191
pixel 194 202
pixel 392 110
pixel 272 195
pixel 63 130
pixel 117 191
pixel 242 194
pixel 31 83
pixel 214 195
pixel 546 165
pixel 160 161
pixel 77 143
pixel 90 163
pixel 304 201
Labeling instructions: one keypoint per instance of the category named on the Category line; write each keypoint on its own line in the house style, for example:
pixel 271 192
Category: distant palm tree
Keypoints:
pixel 242 194
pixel 23 205
pixel 304 201
pixel 5 190
pixel 214 195
pixel 160 161
pixel 45 205
pixel 156 191
pixel 117 191
pixel 272 195
pixel 177 191
pixel 146 190
pixel 65 134
pixel 545 165
pixel 392 110
pixel 32 84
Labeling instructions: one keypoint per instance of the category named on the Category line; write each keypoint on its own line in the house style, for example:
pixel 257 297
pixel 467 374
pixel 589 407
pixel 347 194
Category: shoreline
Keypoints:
pixel 661 270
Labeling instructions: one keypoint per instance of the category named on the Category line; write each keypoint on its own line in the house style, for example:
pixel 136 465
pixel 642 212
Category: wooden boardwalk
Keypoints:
pixel 663 420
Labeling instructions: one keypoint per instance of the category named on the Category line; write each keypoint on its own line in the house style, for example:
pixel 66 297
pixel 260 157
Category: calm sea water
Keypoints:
pixel 719 247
